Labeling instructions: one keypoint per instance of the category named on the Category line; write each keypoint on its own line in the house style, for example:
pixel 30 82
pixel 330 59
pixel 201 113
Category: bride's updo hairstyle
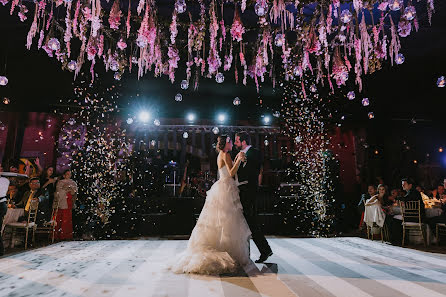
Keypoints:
pixel 221 142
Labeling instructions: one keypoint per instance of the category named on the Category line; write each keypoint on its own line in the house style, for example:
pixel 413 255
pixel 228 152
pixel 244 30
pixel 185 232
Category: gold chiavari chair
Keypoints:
pixel 30 224
pixel 440 229
pixel 50 226
pixel 411 214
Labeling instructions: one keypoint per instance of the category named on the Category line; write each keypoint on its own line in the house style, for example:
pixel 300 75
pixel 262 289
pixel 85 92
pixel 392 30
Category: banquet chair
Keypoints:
pixel 50 226
pixel 370 231
pixel 411 215
pixel 30 224
pixel 440 229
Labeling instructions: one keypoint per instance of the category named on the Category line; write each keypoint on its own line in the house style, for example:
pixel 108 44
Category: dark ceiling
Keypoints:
pixel 36 82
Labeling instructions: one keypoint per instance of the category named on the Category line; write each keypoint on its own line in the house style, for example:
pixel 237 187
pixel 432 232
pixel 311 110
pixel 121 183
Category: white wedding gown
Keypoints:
pixel 219 242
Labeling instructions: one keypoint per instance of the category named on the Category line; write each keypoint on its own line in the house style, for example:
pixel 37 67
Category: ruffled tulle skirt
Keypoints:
pixel 219 242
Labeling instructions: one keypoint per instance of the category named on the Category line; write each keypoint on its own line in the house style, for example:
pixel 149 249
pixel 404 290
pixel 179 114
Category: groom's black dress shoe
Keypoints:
pixel 264 257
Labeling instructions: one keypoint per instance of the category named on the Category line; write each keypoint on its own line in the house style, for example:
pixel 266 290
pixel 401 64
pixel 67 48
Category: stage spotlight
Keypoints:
pixel 190 117
pixel 144 116
pixel 221 117
pixel 266 120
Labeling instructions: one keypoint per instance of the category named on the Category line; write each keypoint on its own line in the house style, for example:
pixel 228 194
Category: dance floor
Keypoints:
pixel 299 267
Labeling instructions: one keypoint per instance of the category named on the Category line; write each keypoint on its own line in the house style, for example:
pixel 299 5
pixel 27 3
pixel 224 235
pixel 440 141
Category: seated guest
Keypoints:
pixel 439 193
pixel 12 194
pixel 35 193
pixel 373 210
pixel 371 191
pixel 391 199
pixel 411 195
pixel 426 199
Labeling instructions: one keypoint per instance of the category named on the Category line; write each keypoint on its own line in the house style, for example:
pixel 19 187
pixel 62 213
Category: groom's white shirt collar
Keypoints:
pixel 246 149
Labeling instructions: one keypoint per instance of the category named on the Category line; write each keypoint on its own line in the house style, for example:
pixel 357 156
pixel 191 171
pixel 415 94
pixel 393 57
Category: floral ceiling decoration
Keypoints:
pixel 335 40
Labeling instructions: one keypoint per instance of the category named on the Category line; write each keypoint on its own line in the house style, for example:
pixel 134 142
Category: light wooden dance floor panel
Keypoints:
pixel 299 267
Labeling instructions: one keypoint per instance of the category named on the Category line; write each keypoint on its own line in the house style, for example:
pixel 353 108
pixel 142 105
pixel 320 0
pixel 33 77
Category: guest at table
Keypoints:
pixel 33 193
pixel 4 183
pixel 65 196
pixel 12 194
pixel 374 213
pixel 371 191
pixel 391 199
pixel 412 194
pixel 439 193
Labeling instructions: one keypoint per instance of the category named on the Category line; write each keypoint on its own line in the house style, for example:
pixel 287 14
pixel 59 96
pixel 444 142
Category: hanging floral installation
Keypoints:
pixel 334 40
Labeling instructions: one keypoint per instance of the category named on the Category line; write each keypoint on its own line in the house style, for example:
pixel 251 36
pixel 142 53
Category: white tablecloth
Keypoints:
pixel 12 215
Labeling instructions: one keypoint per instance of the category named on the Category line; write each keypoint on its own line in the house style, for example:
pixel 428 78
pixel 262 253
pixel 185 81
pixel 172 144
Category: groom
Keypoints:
pixel 248 177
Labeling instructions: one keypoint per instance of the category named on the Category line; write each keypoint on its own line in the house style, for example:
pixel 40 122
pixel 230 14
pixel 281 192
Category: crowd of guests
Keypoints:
pixel 56 196
pixel 432 202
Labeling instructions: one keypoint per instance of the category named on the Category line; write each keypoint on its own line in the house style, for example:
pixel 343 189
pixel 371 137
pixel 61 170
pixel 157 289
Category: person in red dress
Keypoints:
pixel 65 196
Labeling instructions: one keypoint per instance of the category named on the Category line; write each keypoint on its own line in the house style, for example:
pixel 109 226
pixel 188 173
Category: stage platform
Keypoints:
pixel 299 267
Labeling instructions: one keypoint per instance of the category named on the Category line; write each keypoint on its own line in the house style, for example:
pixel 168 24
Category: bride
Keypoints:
pixel 219 242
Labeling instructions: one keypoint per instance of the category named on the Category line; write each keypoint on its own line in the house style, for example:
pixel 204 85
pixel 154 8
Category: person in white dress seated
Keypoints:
pixel 373 208
pixel 219 243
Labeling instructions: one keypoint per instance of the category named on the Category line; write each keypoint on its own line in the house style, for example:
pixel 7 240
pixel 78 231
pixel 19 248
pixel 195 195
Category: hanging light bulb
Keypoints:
pixel 130 121
pixel 441 82
pixel 236 101
pixel 6 101
pixel 219 78
pixel 185 135
pixel 54 44
pixel 3 80
pixel 215 130
pixel 409 13
pixel 117 76
pixel 395 4
pixel 184 84
pixel 346 16
pixel 266 142
pixel 153 142
pixel 276 114
pixel 180 6
pixel 399 59
pixel 156 122
pixel 178 97
pixel 371 115
pixel 72 65
pixel 114 65
pixel 261 8
pixel 365 102
pixel 279 40
pixel 351 95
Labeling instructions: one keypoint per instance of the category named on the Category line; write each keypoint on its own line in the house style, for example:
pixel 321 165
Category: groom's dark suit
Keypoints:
pixel 249 172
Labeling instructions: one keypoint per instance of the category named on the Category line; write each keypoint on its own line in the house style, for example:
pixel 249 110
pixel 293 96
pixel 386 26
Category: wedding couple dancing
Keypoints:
pixel 219 242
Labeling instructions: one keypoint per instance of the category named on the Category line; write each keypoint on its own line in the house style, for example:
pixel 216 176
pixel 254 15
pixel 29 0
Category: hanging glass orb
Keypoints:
pixel 395 4
pixel 54 44
pixel 72 65
pixel 71 121
pixel 180 6
pixel 298 139
pixel 346 16
pixel 279 40
pixel 178 97
pixel 236 101
pixel 371 115
pixel 219 78
pixel 261 8
pixel 3 80
pixel 184 84
pixel 441 82
pixel 365 102
pixel 156 122
pixel 297 71
pixel 117 75
pixel 130 121
pixel 114 65
pixel 409 13
pixel 215 130
pixel 351 95
pixel 185 135
pixel 276 114
pixel 153 142
pixel 313 88
pixel 266 142
pixel 399 59
pixel 6 101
